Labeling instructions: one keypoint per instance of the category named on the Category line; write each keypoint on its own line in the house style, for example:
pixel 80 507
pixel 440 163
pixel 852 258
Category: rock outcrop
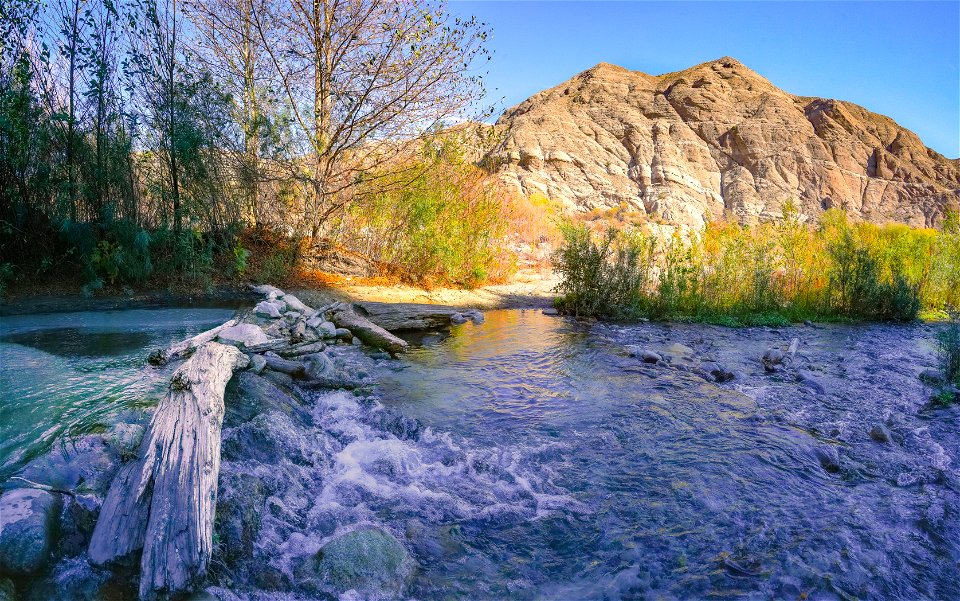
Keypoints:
pixel 717 140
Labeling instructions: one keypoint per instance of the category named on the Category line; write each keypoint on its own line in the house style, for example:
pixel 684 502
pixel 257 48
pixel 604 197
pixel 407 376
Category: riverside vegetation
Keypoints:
pixel 156 143
pixel 772 273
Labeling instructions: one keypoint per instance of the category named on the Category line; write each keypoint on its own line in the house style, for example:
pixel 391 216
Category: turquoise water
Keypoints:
pixel 66 373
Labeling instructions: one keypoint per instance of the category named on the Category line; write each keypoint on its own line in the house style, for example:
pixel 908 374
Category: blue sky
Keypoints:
pixel 895 58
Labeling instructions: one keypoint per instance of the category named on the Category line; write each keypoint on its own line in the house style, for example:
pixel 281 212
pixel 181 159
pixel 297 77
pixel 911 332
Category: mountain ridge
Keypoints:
pixel 717 139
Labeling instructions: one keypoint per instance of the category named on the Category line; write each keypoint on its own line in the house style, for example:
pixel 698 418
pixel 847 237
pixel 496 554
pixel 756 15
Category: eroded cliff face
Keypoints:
pixel 714 140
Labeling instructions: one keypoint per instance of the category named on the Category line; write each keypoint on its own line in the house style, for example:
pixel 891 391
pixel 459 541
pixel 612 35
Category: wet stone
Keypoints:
pixel 27 520
pixel 828 457
pixel 367 560
pixel 880 434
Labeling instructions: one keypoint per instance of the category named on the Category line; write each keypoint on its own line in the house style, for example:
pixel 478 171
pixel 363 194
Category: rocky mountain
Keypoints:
pixel 717 139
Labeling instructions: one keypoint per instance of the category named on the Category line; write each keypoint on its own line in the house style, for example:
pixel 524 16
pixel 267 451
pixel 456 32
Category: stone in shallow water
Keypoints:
pixel 27 518
pixel 367 560
pixel 880 434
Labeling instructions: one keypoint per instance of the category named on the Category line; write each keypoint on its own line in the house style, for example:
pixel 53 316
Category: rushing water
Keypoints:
pixel 62 374
pixel 531 457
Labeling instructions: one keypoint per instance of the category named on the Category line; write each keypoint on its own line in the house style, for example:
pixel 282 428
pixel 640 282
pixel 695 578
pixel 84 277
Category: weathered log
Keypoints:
pixel 329 382
pixel 277 344
pixel 185 347
pixel 398 317
pixel 304 348
pixel 343 316
pixel 164 502
pixel 293 368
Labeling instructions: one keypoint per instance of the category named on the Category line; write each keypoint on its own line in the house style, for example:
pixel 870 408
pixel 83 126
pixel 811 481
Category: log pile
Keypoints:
pixel 161 505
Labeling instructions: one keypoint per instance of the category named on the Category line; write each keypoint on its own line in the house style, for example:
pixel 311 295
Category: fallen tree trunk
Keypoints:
pixel 293 368
pixel 164 502
pixel 185 347
pixel 396 317
pixel 370 333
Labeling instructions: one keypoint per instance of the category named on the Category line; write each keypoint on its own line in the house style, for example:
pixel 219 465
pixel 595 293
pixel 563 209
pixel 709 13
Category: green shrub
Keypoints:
pixel 766 274
pixel 604 277
pixel 948 351
pixel 446 225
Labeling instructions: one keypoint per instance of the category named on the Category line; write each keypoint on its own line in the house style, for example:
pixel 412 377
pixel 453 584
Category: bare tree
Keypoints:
pixel 362 78
pixel 232 51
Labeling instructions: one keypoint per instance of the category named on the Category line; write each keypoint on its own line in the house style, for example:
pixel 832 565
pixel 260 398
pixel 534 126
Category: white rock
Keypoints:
pixel 267 309
pixel 245 333
pixel 271 292
pixel 327 330
pixel 295 304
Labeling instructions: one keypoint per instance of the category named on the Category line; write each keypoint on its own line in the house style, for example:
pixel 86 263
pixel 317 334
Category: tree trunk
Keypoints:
pixel 164 502
pixel 367 331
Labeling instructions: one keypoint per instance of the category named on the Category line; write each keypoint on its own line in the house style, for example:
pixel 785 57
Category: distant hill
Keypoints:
pixel 717 139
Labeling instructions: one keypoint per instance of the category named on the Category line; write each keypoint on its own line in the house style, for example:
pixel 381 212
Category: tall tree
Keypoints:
pixel 362 77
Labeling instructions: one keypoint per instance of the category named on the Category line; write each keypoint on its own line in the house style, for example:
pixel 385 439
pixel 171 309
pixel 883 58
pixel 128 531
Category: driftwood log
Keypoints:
pixel 164 502
pixel 343 316
pixel 185 347
pixel 398 317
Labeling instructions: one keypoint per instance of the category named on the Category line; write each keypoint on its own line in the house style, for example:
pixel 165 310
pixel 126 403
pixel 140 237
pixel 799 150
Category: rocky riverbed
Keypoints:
pixel 526 456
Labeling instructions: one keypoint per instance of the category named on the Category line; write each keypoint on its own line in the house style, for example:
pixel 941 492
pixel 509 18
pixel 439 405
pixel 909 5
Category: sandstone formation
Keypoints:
pixel 717 140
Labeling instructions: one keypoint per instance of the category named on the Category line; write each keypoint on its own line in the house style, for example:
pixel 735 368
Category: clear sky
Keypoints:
pixel 895 58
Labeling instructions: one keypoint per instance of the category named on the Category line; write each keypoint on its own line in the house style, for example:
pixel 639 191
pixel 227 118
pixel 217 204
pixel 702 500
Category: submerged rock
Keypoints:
pixel 239 514
pixel 367 560
pixel 773 359
pixel 879 433
pixel 828 457
pixel 84 463
pixel 27 521
pixel 931 377
pixel 716 372
pixel 125 438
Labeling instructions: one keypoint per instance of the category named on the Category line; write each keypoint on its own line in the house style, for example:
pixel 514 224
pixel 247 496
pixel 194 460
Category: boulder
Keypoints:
pixel 27 520
pixel 267 309
pixel 268 291
pixel 879 433
pixel 474 315
pixel 828 457
pixel 344 334
pixel 244 334
pixel 368 560
pixel 125 438
pixel 87 463
pixel 257 363
pixel 250 395
pixel 773 359
pixel 458 319
pixel 295 304
pixel 326 329
pixel 932 377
